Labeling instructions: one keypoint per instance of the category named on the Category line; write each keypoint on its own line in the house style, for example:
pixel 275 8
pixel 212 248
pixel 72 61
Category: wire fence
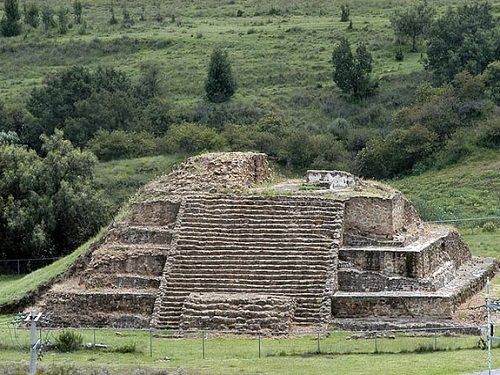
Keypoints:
pixel 24 266
pixel 226 345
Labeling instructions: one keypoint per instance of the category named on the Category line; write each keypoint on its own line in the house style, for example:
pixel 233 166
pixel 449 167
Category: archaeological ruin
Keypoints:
pixel 223 244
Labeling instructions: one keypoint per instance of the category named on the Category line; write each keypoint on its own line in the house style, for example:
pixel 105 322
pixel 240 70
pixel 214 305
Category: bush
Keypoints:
pixel 32 15
pixel 68 341
pixel 489 227
pixel 119 144
pixel 192 138
pixel 489 132
pixel 127 348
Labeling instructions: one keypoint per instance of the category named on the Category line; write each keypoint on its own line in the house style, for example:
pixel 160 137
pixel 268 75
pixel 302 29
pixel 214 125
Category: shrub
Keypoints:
pixel 192 138
pixel 489 132
pixel 32 15
pixel 119 144
pixel 489 227
pixel 412 22
pixel 127 348
pixel 48 18
pixel 68 341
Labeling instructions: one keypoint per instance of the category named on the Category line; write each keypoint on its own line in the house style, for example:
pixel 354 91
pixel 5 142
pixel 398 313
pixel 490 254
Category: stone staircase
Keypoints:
pixel 278 246
pixel 119 284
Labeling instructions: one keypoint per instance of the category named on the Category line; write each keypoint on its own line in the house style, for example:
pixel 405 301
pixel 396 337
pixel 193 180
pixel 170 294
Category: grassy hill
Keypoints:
pixel 281 52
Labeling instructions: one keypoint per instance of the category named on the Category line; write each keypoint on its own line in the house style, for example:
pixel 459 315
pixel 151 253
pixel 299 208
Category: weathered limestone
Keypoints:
pixel 203 248
pixel 238 312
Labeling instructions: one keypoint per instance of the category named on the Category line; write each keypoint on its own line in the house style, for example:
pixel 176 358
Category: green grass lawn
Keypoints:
pixel 295 355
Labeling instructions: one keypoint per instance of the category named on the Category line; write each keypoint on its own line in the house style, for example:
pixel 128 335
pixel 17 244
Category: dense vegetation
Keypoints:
pixel 311 84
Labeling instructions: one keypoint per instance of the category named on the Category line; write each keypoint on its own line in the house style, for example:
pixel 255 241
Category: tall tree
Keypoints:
pixel 467 38
pixel 220 84
pixel 413 22
pixel 10 25
pixel 352 71
pixel 78 11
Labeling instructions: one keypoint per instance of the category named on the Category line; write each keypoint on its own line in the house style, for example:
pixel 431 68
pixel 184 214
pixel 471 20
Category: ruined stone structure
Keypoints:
pixel 216 245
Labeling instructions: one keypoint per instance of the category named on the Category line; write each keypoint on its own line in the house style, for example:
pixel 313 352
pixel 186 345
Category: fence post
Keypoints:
pixel 376 345
pixel 203 344
pixel 319 349
pixel 434 344
pixel 18 267
pixel 259 346
pixel 94 337
pixel 151 342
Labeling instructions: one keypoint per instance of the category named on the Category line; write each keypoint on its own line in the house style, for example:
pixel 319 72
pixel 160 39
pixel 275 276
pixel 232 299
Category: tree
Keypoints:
pixel 220 84
pixel 48 203
pixel 345 11
pixel 413 22
pixel 48 18
pixel 62 17
pixel 32 15
pixel 352 72
pixel 78 11
pixel 10 25
pixel 463 38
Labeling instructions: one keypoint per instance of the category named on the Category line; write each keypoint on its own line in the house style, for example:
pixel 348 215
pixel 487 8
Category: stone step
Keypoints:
pixel 227 258
pixel 264 201
pixel 195 248
pixel 254 232
pixel 203 269
pixel 252 209
pixel 139 235
pixel 142 263
pixel 261 215
pixel 136 301
pixel 263 221
pixel 97 320
pixel 135 281
pixel 238 281
pixel 249 274
pixel 292 290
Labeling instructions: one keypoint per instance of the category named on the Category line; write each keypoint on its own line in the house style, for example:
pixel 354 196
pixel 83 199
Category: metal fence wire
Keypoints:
pixel 226 345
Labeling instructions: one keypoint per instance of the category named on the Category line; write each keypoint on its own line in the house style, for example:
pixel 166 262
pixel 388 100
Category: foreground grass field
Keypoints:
pixel 296 355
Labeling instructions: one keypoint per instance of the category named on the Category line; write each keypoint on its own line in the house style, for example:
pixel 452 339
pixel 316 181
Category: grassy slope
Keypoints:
pixel 469 189
pixel 16 289
pixel 122 178
pixel 280 61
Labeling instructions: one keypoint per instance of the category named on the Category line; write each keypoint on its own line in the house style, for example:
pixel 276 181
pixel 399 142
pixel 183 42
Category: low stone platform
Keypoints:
pixel 470 278
pixel 248 313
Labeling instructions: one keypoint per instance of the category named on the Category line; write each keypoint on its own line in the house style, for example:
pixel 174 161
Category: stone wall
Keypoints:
pixel 385 221
pixel 238 312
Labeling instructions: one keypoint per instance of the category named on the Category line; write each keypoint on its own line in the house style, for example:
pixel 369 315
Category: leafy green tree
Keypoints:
pixel 413 22
pixel 48 18
pixel 492 81
pixel 10 25
pixel 32 15
pixel 345 12
pixel 220 85
pixel 62 18
pixel 48 204
pixel 352 72
pixel 112 20
pixel 463 38
pixel 78 11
